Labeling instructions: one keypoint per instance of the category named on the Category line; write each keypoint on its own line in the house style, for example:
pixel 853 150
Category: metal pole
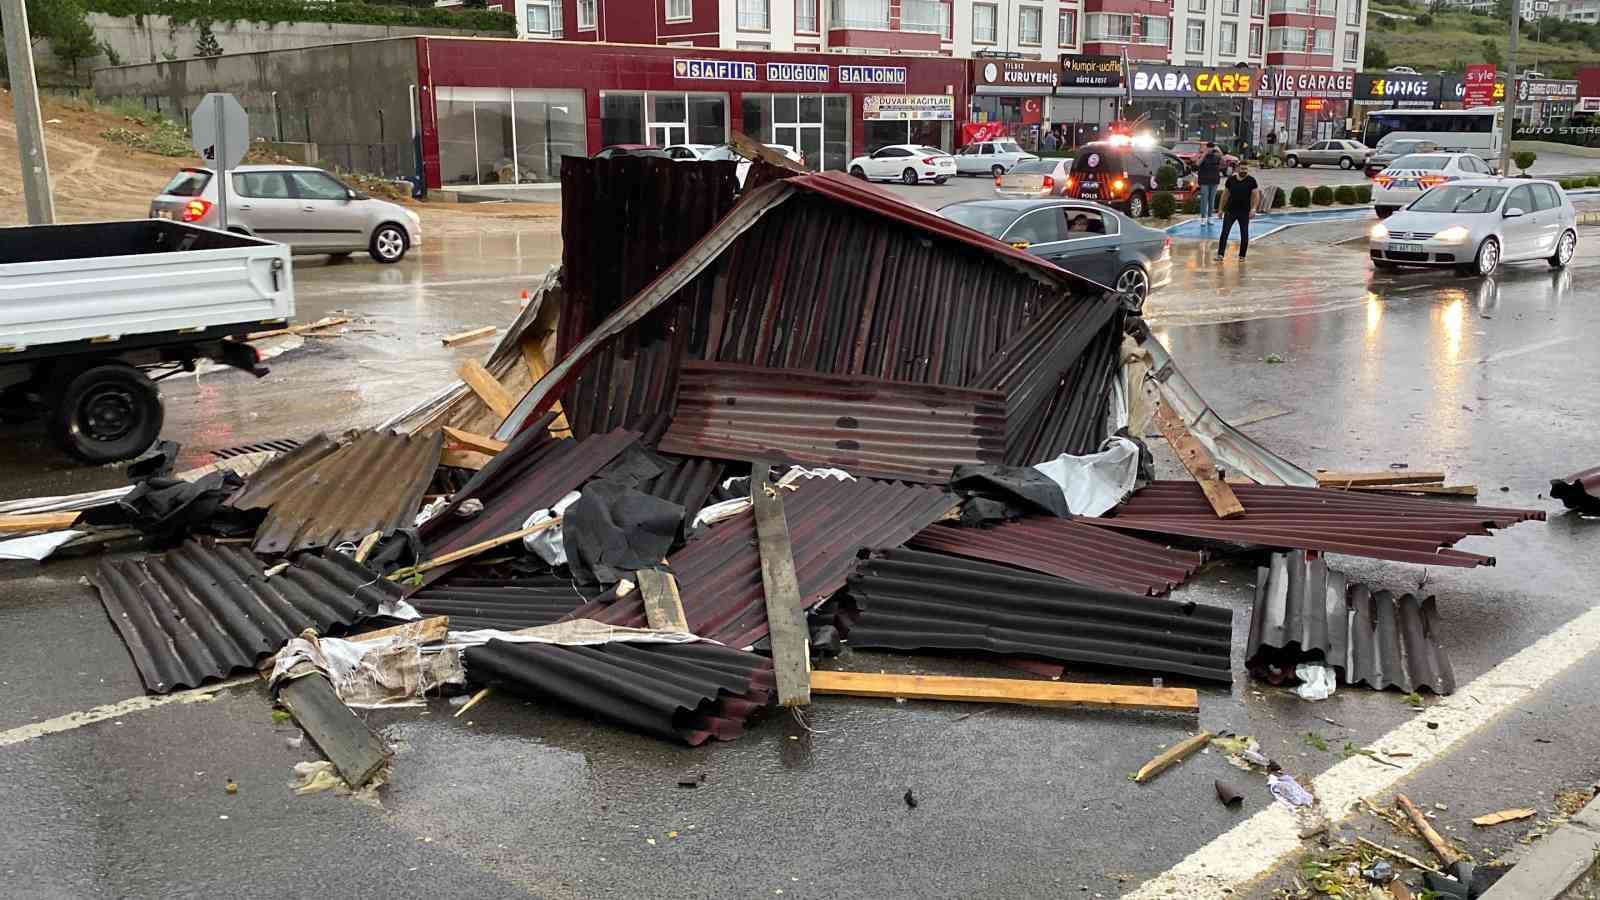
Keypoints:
pixel 25 103
pixel 222 172
pixel 1510 113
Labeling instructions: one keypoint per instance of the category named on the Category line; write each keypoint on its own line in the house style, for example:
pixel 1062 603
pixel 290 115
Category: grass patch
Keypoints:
pixel 1453 40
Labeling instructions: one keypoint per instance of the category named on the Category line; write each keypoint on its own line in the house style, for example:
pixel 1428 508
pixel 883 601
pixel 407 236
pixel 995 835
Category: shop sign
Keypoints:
pixel 810 73
pixel 1455 87
pixel 872 75
pixel 714 69
pixel 1297 83
pixel 1478 87
pixel 908 107
pixel 1017 73
pixel 1090 71
pixel 1543 89
pixel 1313 104
pixel 1389 87
pixel 1193 81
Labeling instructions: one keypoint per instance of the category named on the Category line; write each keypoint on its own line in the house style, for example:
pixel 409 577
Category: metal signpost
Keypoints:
pixel 221 135
pixel 25 100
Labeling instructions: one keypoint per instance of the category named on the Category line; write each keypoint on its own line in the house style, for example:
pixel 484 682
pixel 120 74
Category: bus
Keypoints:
pixel 1457 130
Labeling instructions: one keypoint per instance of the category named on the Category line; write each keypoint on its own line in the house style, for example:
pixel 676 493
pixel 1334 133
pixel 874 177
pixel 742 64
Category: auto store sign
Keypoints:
pixel 1193 81
pixel 1293 84
pixel 1541 89
pixel 1392 88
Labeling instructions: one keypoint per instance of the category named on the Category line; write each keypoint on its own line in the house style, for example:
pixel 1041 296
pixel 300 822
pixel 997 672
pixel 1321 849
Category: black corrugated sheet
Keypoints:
pixel 678 692
pixel 687 481
pixel 201 612
pixel 911 600
pixel 507 604
pixel 1306 612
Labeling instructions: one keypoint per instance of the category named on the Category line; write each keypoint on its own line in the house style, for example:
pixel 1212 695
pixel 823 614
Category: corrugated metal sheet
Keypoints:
pixel 911 600
pixel 687 481
pixel 680 692
pixel 320 497
pixel 1096 557
pixel 1061 400
pixel 1402 529
pixel 1306 612
pixel 866 426
pixel 830 524
pixel 1580 490
pixel 509 604
pixel 200 612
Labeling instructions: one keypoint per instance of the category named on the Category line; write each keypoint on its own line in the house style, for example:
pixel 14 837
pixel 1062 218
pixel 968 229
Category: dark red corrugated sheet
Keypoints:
pixel 1092 556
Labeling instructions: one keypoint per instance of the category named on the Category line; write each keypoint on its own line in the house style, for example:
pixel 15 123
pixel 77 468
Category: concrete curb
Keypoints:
pixel 1566 862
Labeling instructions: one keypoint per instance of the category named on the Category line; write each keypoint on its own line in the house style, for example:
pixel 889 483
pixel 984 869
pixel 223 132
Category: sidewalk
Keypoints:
pixel 1564 865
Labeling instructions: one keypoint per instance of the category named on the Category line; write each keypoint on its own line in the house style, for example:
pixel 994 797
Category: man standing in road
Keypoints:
pixel 1238 202
pixel 1210 175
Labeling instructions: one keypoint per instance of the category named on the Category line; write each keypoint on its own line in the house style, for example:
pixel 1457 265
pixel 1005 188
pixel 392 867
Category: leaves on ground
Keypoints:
pixel 1313 739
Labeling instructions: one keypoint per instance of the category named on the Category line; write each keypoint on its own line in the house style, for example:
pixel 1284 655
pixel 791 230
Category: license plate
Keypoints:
pixel 1405 248
pixel 163 214
pixel 1408 184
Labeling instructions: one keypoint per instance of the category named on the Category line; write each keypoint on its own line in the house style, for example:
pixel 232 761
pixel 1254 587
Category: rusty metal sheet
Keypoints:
pixel 866 426
pixel 1580 490
pixel 1096 557
pixel 1058 384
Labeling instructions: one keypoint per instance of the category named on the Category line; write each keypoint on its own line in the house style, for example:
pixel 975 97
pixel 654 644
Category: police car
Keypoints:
pixel 1408 177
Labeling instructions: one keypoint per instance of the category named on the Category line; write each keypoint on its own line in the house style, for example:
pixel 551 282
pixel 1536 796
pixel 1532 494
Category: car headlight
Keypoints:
pixel 1379 232
pixel 1455 234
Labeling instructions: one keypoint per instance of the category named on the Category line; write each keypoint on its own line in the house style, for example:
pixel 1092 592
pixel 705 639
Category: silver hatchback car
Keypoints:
pixel 1476 224
pixel 304 207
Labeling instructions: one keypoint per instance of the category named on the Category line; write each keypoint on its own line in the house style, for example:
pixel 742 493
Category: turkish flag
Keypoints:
pixel 1032 111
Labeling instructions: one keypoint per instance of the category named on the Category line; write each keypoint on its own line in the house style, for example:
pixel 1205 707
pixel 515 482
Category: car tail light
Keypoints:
pixel 1049 183
pixel 929 160
pixel 195 210
pixel 1383 181
pixel 1119 185
pixel 1071 183
pixel 1428 181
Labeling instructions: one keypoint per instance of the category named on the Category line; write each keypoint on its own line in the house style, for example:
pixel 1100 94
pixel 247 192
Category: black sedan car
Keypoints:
pixel 1088 239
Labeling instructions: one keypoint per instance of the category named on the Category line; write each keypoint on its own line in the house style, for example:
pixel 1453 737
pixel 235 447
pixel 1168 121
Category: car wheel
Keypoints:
pixel 388 243
pixel 1564 250
pixel 1488 258
pixel 997 171
pixel 858 172
pixel 941 179
pixel 1291 161
pixel 106 413
pixel 1134 285
pixel 1346 162
pixel 909 176
pixel 1136 207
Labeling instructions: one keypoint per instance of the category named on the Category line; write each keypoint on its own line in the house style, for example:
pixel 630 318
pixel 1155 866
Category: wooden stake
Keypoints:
pixel 37 522
pixel 474 550
pixel 1440 847
pixel 1394 476
pixel 663 608
pixel 786 620
pixel 476 699
pixel 461 337
pixel 752 149
pixel 325 322
pixel 1197 460
pixel 364 549
pixel 1021 691
pixel 491 392
pixel 1448 490
pixel 533 357
pixel 469 441
pixel 342 737
pixel 464 459
pixel 1396 854
pixel 1173 755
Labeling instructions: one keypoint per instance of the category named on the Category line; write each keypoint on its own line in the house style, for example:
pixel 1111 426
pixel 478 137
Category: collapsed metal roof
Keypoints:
pixel 911 600
pixel 1580 490
pixel 505 603
pixel 866 426
pixel 199 613
pixel 1096 557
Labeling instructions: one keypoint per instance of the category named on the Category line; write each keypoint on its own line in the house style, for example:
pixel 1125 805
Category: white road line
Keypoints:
pixel 116 710
pixel 1252 848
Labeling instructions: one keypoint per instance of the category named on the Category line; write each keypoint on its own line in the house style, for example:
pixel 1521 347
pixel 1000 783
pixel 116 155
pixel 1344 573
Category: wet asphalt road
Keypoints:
pixel 1486 379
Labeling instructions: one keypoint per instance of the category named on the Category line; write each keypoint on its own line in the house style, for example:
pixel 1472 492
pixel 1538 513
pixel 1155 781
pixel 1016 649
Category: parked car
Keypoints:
pixel 990 157
pixel 1389 151
pixel 1034 178
pixel 1409 176
pixel 1116 174
pixel 908 163
pixel 304 207
pixel 1344 154
pixel 1402 70
pixel 1476 224
pixel 1191 152
pixel 725 151
pixel 616 150
pixel 1086 238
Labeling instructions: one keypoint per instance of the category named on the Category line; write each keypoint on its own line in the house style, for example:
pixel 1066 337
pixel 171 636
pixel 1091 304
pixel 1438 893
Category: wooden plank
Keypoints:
pixel 786 621
pixel 752 149
pixel 1442 849
pixel 430 630
pixel 343 738
pixel 1447 490
pixel 1504 815
pixel 37 522
pixel 1392 476
pixel 1173 755
pixel 1197 460
pixel 364 549
pixel 489 390
pixel 462 337
pixel 469 441
pixel 324 322
pixel 533 357
pixel 663 608
pixel 464 459
pixel 1022 691
pixel 473 550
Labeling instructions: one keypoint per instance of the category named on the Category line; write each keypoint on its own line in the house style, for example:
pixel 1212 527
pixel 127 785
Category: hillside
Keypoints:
pixel 1454 40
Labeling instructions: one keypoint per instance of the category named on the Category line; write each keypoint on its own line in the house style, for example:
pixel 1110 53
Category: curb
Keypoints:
pixel 1565 861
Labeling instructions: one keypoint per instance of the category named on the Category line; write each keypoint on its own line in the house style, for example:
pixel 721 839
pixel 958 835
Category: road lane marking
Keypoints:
pixel 1523 351
pixel 74 720
pixel 1251 849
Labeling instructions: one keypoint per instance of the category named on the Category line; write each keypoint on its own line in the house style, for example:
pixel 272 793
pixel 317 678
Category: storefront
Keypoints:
pixel 1013 93
pixel 1453 94
pixel 924 119
pixel 1088 97
pixel 1301 106
pixel 1192 103
pixel 1545 102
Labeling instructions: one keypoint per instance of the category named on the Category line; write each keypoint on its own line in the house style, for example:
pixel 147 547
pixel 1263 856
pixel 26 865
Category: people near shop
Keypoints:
pixel 1209 172
pixel 1241 193
pixel 1048 142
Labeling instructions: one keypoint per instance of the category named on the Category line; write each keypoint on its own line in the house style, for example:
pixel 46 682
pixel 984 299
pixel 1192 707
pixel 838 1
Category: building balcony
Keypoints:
pixel 1136 52
pixel 1133 7
pixel 1317 60
pixel 894 40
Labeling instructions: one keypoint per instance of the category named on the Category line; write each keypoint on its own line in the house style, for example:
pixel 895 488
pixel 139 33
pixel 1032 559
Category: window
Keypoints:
pixel 586 15
pixel 946 14
pixel 922 16
pixel 681 10
pixel 1258 8
pixel 753 15
pixel 1155 30
pixel 1544 196
pixel 1351 40
pixel 1067 28
pixel 805 16
pixel 1322 40
pixel 1195 38
pixel 1229 45
pixel 861 14
pixel 1030 25
pixel 984 16
pixel 317 186
pixel 265 185
pixel 1042 227
pixel 1521 198
pixel 986 149
pixel 1255 40
pixel 1230 7
pixel 1107 27
pixel 538 23
pixel 1304 7
pixel 1085 222
pixel 1352 12
pixel 555 19
pixel 752 45
pixel 1286 40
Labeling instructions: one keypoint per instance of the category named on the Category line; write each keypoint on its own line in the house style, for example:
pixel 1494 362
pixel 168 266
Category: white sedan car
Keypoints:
pixel 992 158
pixel 1476 224
pixel 907 163
pixel 1408 177
pixel 683 152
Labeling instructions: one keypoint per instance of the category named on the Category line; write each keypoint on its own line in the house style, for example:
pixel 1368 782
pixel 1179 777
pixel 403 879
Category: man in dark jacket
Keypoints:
pixel 1238 202
pixel 1209 171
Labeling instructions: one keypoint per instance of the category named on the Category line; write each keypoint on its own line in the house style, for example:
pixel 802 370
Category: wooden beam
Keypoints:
pixel 462 337
pixel 663 608
pixel 469 441
pixel 37 522
pixel 343 738
pixel 786 620
pixel 489 390
pixel 1173 755
pixel 1447 490
pixel 1022 691
pixel 430 630
pixel 1392 476
pixel 533 357
pixel 324 322
pixel 364 549
pixel 752 149
pixel 1442 849
pixel 464 459
pixel 1198 461
pixel 473 550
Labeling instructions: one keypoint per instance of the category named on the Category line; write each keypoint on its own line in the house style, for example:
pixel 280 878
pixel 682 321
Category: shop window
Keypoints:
pixel 1229 45
pixel 680 10
pixel 805 16
pixel 549 125
pixel 621 119
pixel 708 119
pixel 458 154
pixel 984 19
pixel 1067 29
pixel 753 15
pixel 933 134
pixel 817 126
pixel 1030 25
pixel 869 14
pixel 1195 41
pixel 835 132
pixel 586 15
pixel 500 136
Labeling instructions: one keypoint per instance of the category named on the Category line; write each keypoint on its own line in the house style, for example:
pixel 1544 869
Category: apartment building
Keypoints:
pixel 1576 10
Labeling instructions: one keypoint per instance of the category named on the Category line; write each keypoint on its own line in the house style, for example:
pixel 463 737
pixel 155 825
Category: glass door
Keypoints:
pixel 797 122
pixel 667 135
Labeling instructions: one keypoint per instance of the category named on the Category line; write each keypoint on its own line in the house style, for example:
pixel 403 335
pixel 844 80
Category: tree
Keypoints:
pixel 205 43
pixel 73 40
pixel 1376 57
pixel 1491 51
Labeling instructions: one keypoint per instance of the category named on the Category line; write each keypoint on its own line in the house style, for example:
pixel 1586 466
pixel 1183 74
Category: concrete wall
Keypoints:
pixel 352 100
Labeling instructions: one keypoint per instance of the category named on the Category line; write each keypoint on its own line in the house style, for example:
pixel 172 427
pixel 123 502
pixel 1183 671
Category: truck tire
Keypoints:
pixel 106 413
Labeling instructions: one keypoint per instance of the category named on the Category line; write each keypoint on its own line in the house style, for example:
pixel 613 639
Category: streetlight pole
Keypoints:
pixel 1510 113
pixel 25 104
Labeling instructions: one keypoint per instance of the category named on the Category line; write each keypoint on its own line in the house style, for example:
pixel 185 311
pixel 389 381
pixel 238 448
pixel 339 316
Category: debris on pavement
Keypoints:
pixel 1317 681
pixel 1027 692
pixel 1504 815
pixel 472 334
pixel 1172 756
pixel 1227 794
pixel 1288 791
pixel 1579 491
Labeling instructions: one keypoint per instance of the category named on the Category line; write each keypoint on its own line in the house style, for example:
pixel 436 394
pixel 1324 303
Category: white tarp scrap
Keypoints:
pixel 385 672
pixel 1097 482
pixel 549 544
pixel 574 633
pixel 36 547
pixel 727 509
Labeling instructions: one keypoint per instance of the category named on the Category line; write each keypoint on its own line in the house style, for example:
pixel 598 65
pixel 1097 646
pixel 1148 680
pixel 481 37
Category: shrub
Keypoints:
pixel 1163 204
pixel 1424 21
pixel 1593 182
pixel 1322 196
pixel 1524 159
pixel 1279 198
pixel 1166 178
pixel 1300 198
pixel 1191 205
pixel 1363 193
pixel 1344 193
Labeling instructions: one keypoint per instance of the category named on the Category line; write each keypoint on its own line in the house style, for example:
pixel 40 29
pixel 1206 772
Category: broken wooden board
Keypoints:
pixel 462 337
pixel 428 630
pixel 1021 691
pixel 1446 490
pixel 37 522
pixel 466 440
pixel 342 737
pixel 1441 848
pixel 324 322
pixel 753 150
pixel 663 608
pixel 1504 815
pixel 1392 476
pixel 1175 754
pixel 473 550
pixel 464 459
pixel 489 390
pixel 533 356
pixel 786 620
pixel 1198 461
